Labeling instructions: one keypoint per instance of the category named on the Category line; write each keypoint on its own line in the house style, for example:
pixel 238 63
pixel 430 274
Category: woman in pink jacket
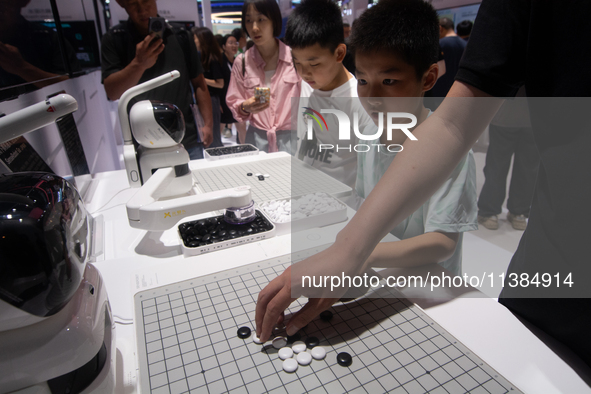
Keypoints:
pixel 268 63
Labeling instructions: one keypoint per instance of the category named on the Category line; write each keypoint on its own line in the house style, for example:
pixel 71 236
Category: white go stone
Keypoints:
pixel 281 211
pixel 290 365
pixel 318 352
pixel 298 347
pixel 285 353
pixel 256 339
pixel 279 342
pixel 304 358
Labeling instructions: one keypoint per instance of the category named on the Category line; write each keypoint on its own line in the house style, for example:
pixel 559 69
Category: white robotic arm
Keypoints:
pixel 36 116
pixel 163 198
pixel 146 212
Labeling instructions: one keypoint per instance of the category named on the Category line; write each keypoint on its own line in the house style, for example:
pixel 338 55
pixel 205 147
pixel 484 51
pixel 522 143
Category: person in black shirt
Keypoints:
pixel 211 59
pixel 497 62
pixel 230 49
pixel 452 47
pixel 130 56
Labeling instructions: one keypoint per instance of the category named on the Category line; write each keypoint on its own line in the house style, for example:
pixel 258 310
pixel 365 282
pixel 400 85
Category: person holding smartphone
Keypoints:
pixel 131 54
pixel 267 64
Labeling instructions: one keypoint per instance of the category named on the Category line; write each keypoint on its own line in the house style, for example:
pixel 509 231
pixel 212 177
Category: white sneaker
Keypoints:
pixel 227 133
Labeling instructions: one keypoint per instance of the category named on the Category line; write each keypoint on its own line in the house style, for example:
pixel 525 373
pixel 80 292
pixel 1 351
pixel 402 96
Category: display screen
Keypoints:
pixel 83 38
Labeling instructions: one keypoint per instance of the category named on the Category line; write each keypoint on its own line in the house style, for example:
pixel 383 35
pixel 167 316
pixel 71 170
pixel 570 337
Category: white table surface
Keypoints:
pixel 133 260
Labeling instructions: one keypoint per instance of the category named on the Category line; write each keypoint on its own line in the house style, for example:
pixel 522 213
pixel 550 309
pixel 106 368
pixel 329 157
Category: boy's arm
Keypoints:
pixel 433 247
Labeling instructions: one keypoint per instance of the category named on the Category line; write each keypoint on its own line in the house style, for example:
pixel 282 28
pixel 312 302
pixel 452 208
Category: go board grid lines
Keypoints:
pixel 288 178
pixel 190 344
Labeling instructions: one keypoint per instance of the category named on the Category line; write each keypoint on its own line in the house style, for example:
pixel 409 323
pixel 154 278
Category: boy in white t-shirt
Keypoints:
pixel 393 74
pixel 315 35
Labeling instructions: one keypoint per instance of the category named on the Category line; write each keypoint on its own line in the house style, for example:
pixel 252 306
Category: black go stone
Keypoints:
pixel 311 342
pixel 344 359
pixel 261 178
pixel 295 337
pixel 249 174
pixel 243 332
pixel 208 231
pixel 227 150
pixel 326 315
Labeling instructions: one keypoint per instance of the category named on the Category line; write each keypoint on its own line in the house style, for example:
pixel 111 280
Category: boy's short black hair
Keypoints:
pixel 409 28
pixel 315 22
pixel 269 8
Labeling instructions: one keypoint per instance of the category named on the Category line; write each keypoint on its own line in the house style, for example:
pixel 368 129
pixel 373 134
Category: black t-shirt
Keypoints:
pixel 214 72
pixel 452 49
pixel 226 116
pixel 118 50
pixel 510 46
pixel 227 73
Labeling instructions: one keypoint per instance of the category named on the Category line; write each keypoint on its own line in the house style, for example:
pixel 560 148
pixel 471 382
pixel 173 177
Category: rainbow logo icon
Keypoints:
pixel 313 116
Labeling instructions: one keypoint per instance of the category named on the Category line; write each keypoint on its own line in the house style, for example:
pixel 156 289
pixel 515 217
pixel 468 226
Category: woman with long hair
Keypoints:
pixel 211 59
pixel 267 64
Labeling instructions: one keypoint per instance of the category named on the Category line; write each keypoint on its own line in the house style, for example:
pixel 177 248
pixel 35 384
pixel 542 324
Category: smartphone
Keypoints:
pixel 156 26
pixel 262 95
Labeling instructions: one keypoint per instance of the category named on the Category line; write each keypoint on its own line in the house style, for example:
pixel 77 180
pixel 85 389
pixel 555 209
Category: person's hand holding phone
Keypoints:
pixel 253 105
pixel 148 50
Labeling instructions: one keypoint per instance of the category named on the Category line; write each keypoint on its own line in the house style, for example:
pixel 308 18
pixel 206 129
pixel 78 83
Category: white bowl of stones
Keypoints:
pixel 304 212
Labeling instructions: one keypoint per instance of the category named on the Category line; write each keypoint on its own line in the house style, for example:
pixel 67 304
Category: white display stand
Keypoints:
pixel 135 260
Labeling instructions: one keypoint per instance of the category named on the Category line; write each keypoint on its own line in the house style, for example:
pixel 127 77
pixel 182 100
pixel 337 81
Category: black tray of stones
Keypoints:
pixel 226 152
pixel 211 234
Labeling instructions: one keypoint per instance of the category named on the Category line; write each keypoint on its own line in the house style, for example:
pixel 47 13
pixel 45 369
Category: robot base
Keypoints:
pixel 71 352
